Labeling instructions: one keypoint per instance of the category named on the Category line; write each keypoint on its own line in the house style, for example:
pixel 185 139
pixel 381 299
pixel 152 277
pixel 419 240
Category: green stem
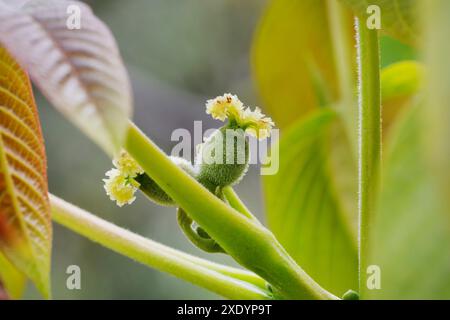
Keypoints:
pixel 204 243
pixel 226 281
pixel 369 139
pixel 235 202
pixel 251 245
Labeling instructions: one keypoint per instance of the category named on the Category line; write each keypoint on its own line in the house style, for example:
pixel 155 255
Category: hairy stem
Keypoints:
pixel 250 244
pixel 369 139
pixel 226 281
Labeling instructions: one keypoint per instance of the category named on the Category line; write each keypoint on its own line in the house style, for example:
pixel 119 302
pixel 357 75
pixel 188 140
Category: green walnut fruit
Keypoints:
pixel 222 160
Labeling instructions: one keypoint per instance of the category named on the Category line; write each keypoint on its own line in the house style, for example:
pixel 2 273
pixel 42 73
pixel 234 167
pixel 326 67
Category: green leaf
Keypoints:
pixel 79 70
pixel 295 61
pixel 25 220
pixel 13 281
pixel 411 242
pixel 398 17
pixel 400 84
pixel 304 209
pixel 401 79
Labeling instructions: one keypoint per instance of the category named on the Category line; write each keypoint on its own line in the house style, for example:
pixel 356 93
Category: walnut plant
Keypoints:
pixel 363 176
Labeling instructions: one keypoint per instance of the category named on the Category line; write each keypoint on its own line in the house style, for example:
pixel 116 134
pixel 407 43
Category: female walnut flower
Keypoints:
pixel 120 188
pixel 120 184
pixel 255 123
pixel 127 165
pixel 226 106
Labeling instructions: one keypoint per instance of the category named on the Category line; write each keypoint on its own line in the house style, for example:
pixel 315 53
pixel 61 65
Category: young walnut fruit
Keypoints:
pixel 222 160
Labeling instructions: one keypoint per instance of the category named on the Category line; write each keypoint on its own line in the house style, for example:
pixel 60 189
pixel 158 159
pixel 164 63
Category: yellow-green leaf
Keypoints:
pixel 398 17
pixel 78 69
pixel 25 222
pixel 400 83
pixel 12 280
pixel 297 53
pixel 401 79
pixel 305 210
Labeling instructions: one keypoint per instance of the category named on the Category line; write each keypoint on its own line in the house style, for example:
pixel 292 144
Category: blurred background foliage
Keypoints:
pixel 178 54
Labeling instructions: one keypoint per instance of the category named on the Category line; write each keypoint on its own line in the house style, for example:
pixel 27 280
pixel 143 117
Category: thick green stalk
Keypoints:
pixel 250 244
pixel 226 281
pixel 369 139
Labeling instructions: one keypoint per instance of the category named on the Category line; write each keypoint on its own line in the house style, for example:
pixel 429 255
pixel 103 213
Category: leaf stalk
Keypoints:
pixel 226 281
pixel 250 244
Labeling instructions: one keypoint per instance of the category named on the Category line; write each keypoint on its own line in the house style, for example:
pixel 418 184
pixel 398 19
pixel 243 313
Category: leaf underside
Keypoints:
pixel 25 222
pixel 311 206
pixel 303 207
pixel 79 70
pixel 291 59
